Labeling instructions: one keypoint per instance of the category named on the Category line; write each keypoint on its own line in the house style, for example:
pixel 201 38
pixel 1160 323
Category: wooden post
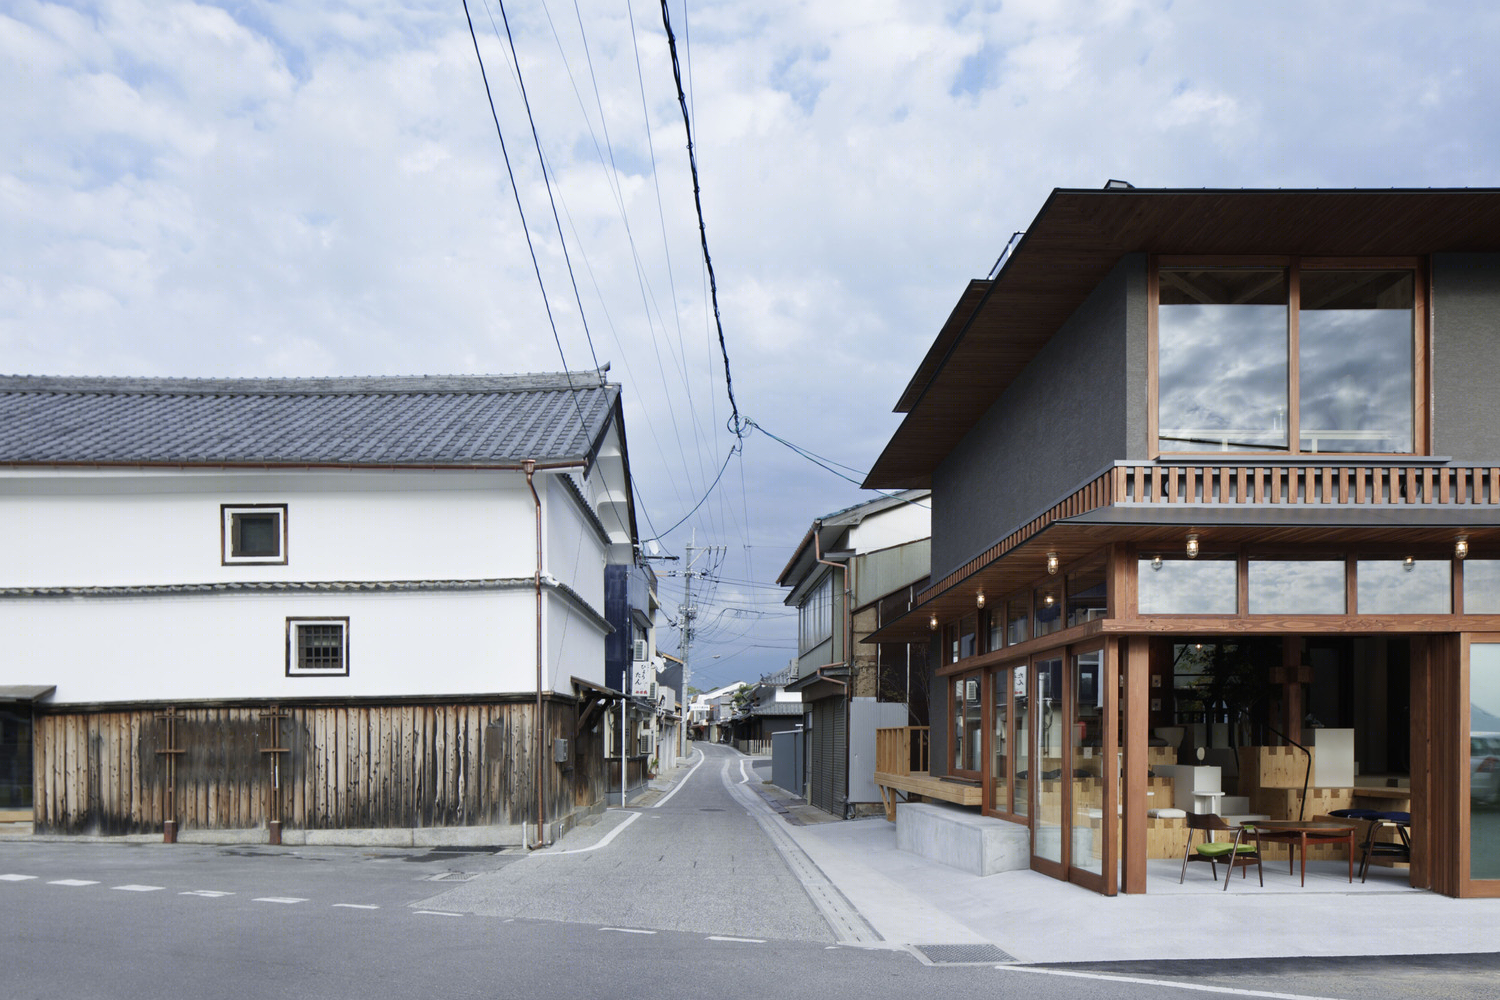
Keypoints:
pixel 1291 677
pixel 273 791
pixel 1136 671
pixel 169 808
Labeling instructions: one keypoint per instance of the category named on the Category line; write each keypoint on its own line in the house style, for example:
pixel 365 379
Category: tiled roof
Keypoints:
pixel 420 420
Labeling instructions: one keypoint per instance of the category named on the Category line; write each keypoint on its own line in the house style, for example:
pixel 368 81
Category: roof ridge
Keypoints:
pixel 345 385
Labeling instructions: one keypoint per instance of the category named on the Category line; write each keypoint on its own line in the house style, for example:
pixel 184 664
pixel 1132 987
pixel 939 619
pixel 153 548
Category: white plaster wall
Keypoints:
pixel 234 645
pixel 574 553
pixel 895 526
pixel 102 528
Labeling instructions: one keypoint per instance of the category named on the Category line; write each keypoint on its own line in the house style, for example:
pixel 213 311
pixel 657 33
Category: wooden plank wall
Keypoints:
pixel 349 766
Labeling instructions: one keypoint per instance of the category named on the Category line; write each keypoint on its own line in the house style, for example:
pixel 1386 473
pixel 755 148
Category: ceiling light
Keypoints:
pixel 1192 546
pixel 979 599
pixel 1156 562
pixel 1052 563
pixel 1461 547
pixel 932 623
pixel 1408 563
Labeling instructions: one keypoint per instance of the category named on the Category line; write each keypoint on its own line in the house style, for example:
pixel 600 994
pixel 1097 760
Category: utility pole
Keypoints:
pixel 688 613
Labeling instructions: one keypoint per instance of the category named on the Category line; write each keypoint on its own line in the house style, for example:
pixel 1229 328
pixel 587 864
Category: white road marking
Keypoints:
pixel 280 899
pixel 15 878
pixel 611 835
pixel 746 774
pixel 716 937
pixel 72 881
pixel 1200 987
pixel 139 888
pixel 626 930
pixel 439 913
pixel 205 893
pixel 683 781
pixel 358 906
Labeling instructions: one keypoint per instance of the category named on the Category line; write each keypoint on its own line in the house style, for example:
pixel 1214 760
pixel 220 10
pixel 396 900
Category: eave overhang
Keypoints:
pixel 999 325
pixel 1418 530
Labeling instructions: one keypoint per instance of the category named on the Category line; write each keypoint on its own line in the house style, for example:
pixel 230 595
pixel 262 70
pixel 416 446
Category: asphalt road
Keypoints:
pixel 686 898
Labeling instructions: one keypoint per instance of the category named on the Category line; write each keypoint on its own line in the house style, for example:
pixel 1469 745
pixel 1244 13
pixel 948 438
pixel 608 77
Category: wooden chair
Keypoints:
pixel 1232 853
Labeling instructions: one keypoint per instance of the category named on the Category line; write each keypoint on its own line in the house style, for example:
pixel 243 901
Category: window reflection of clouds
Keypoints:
pixel 1386 587
pixel 1222 367
pixel 1356 375
pixel 1296 587
pixel 1482 587
pixel 1484 676
pixel 1183 587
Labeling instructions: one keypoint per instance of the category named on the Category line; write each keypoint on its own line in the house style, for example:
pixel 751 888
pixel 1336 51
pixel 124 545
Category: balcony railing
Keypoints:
pixel 901 750
pixel 1302 483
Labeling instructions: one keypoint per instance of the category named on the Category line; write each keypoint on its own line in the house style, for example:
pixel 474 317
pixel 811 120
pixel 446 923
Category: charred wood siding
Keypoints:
pixel 348 766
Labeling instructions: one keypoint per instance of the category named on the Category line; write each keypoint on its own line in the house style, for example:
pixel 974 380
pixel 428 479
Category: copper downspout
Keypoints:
pixel 540 774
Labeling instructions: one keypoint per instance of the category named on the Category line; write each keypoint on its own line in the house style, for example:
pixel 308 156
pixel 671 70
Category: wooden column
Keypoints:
pixel 1136 670
pixel 169 788
pixel 1291 676
pixel 273 790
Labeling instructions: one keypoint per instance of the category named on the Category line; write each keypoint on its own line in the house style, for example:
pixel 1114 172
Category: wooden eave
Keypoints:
pixel 999 326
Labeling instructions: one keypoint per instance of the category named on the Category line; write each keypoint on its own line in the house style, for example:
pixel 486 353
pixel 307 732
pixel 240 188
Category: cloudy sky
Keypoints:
pixel 318 189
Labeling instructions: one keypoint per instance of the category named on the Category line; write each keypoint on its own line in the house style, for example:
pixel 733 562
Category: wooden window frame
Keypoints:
pixel 1421 401
pixel 227 513
pixel 978 675
pixel 293 665
pixel 1468 886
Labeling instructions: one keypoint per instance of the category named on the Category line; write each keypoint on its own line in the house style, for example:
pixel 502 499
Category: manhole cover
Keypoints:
pixel 961 954
pixel 453 877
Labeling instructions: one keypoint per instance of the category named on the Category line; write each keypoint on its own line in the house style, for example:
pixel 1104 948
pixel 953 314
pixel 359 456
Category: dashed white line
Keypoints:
pixel 1200 987
pixel 139 888
pixel 438 913
pixel 279 899
pixel 72 881
pixel 16 878
pixel 626 930
pixel 205 893
pixel 357 906
pixel 737 940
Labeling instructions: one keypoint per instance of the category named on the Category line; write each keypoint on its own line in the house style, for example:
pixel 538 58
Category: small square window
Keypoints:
pixel 253 534
pixel 317 647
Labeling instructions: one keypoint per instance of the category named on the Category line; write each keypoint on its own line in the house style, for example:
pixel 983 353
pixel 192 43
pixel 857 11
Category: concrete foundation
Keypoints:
pixel 979 845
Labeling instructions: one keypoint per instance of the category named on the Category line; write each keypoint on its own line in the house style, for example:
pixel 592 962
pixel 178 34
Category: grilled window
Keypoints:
pixel 318 647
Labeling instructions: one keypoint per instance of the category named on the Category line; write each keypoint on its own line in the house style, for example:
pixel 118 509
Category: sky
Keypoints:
pixel 312 189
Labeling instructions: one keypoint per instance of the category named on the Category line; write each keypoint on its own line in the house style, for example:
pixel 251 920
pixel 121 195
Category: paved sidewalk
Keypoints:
pixel 910 900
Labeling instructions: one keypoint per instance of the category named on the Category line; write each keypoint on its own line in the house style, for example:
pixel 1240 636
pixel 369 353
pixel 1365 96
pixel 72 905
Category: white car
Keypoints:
pixel 1484 768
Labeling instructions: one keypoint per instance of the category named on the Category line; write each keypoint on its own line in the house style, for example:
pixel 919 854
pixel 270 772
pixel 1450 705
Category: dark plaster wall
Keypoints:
pixel 1078 406
pixel 1466 356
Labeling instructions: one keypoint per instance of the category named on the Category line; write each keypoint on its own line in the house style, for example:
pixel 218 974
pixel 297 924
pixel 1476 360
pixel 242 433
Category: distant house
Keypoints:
pixel 317 604
pixel 768 709
pixel 854 570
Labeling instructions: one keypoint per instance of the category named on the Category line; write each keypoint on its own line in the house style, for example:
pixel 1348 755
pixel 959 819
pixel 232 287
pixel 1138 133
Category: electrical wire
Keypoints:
pixel 735 424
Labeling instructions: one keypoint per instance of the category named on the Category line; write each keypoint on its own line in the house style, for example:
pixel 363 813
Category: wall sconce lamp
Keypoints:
pixel 1192 546
pixel 979 599
pixel 932 623
pixel 1156 562
pixel 1408 563
pixel 1051 563
pixel 1461 547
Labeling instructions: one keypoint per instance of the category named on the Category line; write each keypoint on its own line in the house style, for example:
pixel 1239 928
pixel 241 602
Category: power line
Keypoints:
pixel 735 424
pixel 705 496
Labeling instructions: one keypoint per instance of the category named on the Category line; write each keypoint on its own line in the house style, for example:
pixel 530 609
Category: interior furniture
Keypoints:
pixel 1232 853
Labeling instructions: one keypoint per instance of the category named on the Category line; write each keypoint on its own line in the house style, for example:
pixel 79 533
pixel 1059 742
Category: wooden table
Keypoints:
pixel 1298 834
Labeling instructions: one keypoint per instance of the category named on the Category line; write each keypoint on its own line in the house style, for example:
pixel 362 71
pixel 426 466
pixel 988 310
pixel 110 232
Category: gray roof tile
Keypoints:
pixel 418 420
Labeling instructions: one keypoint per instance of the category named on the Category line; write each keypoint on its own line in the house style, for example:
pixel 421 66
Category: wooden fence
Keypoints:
pixel 344 766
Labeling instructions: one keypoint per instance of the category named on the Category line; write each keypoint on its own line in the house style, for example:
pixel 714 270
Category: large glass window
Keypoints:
pixel 1000 743
pixel 1225 340
pixel 1088 598
pixel 1296 587
pixel 1048 598
pixel 968 720
pixel 1022 745
pixel 1090 825
pixel 1484 761
pixel 1017 620
pixel 1403 587
pixel 1051 722
pixel 1179 586
pixel 1482 587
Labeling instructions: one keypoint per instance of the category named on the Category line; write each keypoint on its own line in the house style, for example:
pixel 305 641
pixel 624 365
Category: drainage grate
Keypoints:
pixel 452 877
pixel 960 954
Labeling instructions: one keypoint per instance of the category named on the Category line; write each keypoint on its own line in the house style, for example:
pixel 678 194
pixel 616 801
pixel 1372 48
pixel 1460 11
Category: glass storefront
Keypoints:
pixel 1484 760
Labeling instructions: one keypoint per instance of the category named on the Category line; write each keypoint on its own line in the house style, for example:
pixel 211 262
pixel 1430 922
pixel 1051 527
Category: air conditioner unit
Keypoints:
pixel 638 649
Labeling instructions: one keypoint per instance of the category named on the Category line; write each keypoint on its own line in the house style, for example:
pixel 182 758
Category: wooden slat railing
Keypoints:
pixel 902 750
pixel 1341 483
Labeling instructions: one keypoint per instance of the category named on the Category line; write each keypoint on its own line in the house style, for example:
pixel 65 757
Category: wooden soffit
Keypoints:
pixel 999 325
